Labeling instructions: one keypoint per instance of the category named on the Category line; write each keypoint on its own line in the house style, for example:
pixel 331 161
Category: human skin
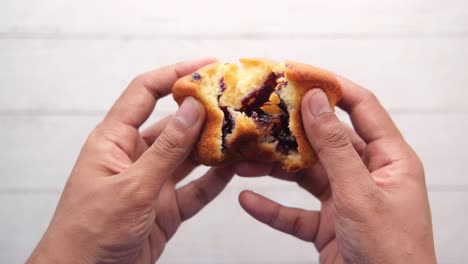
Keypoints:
pixel 374 202
pixel 120 203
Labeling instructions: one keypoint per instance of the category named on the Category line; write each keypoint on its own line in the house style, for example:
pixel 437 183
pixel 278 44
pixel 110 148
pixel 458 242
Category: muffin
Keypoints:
pixel 253 112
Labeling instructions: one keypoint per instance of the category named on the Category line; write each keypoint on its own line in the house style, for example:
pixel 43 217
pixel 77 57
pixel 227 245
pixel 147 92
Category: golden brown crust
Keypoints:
pixel 305 77
pixel 244 142
pixel 208 149
pixel 308 77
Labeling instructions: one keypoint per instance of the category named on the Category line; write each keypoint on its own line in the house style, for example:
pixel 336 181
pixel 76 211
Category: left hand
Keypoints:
pixel 370 182
pixel 120 203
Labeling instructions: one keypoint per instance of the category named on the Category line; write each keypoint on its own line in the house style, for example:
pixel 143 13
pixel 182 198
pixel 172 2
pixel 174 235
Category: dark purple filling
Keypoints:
pixel 251 106
pixel 278 124
pixel 228 124
pixel 259 116
pixel 228 121
pixel 258 97
pixel 222 85
pixel 263 120
pixel 222 88
pixel 196 76
pixel 286 141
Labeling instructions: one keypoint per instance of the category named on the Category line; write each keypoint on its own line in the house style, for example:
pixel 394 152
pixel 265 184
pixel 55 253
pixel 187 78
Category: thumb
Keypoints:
pixel 171 148
pixel 347 173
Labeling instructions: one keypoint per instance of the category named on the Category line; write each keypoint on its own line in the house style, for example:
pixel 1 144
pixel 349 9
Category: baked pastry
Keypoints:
pixel 253 112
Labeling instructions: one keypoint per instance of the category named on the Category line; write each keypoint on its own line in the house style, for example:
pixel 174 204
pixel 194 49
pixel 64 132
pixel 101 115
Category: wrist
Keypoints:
pixel 59 249
pixel 408 256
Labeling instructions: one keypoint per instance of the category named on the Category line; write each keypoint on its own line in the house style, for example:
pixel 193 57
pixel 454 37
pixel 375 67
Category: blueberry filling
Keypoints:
pixel 222 88
pixel 261 117
pixel 196 76
pixel 258 97
pixel 286 141
pixel 278 125
pixel 274 124
pixel 222 85
pixel 228 121
pixel 228 124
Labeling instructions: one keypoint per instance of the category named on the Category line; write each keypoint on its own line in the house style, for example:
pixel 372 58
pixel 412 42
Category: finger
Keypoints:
pixel 313 179
pixel 357 142
pixel 300 223
pixel 184 170
pixel 194 196
pixel 330 253
pixel 259 169
pixel 252 168
pixel 370 119
pixel 151 133
pixel 167 216
pixel 137 102
pixel 347 173
pixel 171 148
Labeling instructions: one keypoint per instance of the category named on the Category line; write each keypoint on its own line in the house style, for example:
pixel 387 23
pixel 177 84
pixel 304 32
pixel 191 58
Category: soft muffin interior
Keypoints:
pixel 257 92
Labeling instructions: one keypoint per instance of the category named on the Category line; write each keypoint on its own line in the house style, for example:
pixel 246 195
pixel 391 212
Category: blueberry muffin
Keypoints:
pixel 253 112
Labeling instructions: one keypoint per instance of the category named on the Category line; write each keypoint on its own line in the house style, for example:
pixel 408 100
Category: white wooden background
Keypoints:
pixel 62 64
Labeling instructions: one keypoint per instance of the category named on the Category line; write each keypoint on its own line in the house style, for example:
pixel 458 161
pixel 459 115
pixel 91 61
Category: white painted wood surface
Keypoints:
pixel 407 74
pixel 223 232
pixel 63 63
pixel 235 18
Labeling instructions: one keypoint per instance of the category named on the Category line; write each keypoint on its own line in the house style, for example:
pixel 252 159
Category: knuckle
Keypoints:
pixel 297 226
pixel 134 192
pixel 102 141
pixel 377 202
pixel 201 195
pixel 144 198
pixel 103 133
pixel 95 135
pixel 139 79
pixel 145 81
pixel 368 95
pixel 417 161
pixel 274 217
pixel 361 205
pixel 346 209
pixel 336 136
pixel 102 146
pixel 373 203
pixel 169 143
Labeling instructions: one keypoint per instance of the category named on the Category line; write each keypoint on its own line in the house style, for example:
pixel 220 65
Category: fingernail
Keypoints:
pixel 318 103
pixel 188 112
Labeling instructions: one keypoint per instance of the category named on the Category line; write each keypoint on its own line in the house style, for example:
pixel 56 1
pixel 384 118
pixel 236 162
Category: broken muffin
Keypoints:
pixel 253 112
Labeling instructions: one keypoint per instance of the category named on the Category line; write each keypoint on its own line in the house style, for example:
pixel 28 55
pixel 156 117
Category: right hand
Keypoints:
pixel 370 183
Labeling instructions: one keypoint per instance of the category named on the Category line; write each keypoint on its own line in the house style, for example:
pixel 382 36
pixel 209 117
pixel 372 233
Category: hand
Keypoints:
pixel 120 203
pixel 374 204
